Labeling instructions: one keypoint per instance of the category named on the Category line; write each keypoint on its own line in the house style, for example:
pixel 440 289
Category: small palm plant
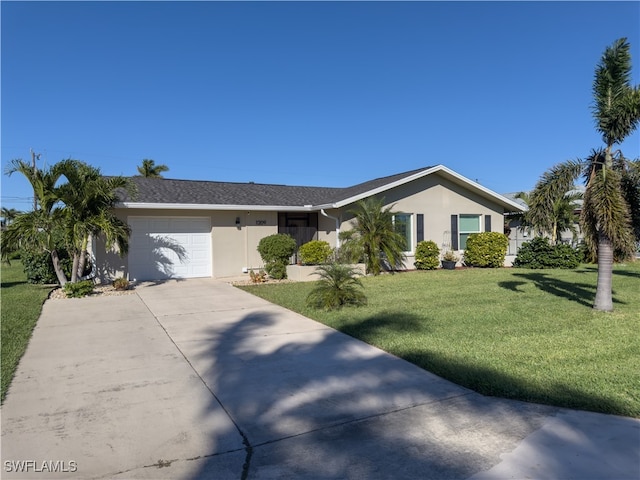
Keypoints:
pixel 338 286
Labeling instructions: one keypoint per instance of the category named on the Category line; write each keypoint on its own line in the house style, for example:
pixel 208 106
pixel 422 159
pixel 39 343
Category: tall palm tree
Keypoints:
pixel 149 169
pixel 611 180
pixel 376 234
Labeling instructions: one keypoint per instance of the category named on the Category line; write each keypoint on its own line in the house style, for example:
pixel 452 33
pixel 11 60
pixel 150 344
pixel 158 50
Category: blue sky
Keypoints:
pixel 306 93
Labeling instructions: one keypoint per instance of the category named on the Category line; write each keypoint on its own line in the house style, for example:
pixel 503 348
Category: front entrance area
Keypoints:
pixel 169 247
pixel 303 227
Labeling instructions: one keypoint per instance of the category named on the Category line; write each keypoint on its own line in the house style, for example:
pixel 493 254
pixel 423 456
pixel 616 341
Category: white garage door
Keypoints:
pixel 169 247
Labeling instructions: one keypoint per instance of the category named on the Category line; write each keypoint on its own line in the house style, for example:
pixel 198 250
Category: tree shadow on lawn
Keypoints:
pixel 314 403
pixel 12 284
pixel 389 322
pixel 616 271
pixel 486 381
pixel 582 293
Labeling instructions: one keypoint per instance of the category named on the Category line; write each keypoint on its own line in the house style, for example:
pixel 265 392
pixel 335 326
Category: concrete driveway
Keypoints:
pixel 198 380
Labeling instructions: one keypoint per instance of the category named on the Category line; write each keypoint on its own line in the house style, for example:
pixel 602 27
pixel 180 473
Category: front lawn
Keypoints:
pixel 21 307
pixel 516 333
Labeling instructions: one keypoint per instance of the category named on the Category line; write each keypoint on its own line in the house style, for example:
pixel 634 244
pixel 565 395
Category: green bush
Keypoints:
pixel 539 253
pixel 351 249
pixel 337 287
pixel 38 266
pixel 78 289
pixel 276 250
pixel 315 252
pixel 120 283
pixel 427 255
pixel 486 249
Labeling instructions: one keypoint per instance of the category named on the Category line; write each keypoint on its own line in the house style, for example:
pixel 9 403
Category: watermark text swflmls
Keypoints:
pixel 42 466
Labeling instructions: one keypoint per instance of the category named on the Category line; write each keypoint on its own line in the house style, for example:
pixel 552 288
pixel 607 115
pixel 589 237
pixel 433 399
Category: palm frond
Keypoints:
pixel 338 286
pixel 605 211
pixel 551 188
pixel 377 235
pixel 616 107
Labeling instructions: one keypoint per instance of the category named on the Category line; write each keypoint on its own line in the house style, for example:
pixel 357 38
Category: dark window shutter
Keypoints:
pixel 420 227
pixel 487 223
pixel 454 232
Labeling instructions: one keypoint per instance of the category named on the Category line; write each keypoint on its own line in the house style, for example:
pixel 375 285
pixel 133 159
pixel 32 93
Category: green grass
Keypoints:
pixel 523 334
pixel 20 309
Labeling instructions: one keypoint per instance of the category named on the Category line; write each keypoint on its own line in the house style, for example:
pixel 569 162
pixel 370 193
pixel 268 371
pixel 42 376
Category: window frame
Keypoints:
pixel 462 232
pixel 410 227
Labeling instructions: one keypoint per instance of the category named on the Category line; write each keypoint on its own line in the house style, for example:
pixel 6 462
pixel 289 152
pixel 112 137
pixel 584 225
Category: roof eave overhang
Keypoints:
pixel 202 206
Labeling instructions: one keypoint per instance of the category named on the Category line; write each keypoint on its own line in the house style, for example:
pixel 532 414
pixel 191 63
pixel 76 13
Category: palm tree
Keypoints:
pixel 74 211
pixel 36 230
pixel 89 199
pixel 561 217
pixel 9 214
pixel 611 180
pixel 376 235
pixel 338 286
pixel 149 169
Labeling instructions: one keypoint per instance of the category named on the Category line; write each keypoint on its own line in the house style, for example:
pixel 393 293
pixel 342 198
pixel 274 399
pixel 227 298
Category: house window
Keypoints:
pixel 402 224
pixel 467 225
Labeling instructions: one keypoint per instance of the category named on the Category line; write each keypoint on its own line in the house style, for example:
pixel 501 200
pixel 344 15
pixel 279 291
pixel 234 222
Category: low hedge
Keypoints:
pixel 539 253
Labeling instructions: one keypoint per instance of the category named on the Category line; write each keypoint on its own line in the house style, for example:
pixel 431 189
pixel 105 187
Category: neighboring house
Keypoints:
pixel 188 228
pixel 518 234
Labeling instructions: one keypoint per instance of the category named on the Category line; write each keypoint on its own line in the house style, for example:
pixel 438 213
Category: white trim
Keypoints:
pixel 412 230
pixel 201 206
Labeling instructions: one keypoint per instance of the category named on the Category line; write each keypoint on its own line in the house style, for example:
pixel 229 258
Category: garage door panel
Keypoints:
pixel 159 226
pixel 169 247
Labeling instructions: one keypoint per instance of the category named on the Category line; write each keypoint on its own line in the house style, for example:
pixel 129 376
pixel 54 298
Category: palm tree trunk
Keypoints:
pixel 604 300
pixel 62 278
pixel 83 256
pixel 74 268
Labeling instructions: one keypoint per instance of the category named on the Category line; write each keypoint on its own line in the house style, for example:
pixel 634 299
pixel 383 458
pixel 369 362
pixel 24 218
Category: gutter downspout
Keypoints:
pixel 337 226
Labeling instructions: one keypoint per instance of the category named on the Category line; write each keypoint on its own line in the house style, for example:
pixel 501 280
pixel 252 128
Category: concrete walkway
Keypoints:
pixel 198 380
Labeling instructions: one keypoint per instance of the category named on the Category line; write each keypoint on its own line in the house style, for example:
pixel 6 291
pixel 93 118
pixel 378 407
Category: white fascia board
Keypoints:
pixel 438 168
pixel 201 206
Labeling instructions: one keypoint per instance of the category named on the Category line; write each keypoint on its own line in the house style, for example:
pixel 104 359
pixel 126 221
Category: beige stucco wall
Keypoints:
pixel 437 199
pixel 234 247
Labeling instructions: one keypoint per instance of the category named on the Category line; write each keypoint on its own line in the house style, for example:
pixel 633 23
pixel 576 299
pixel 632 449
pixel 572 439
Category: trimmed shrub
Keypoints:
pixel 120 283
pixel 38 266
pixel 486 249
pixel 539 253
pixel 427 255
pixel 78 289
pixel 276 250
pixel 315 252
pixel 338 286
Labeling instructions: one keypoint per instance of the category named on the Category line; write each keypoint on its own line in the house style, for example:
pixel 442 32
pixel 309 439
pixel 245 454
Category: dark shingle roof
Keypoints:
pixel 162 190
